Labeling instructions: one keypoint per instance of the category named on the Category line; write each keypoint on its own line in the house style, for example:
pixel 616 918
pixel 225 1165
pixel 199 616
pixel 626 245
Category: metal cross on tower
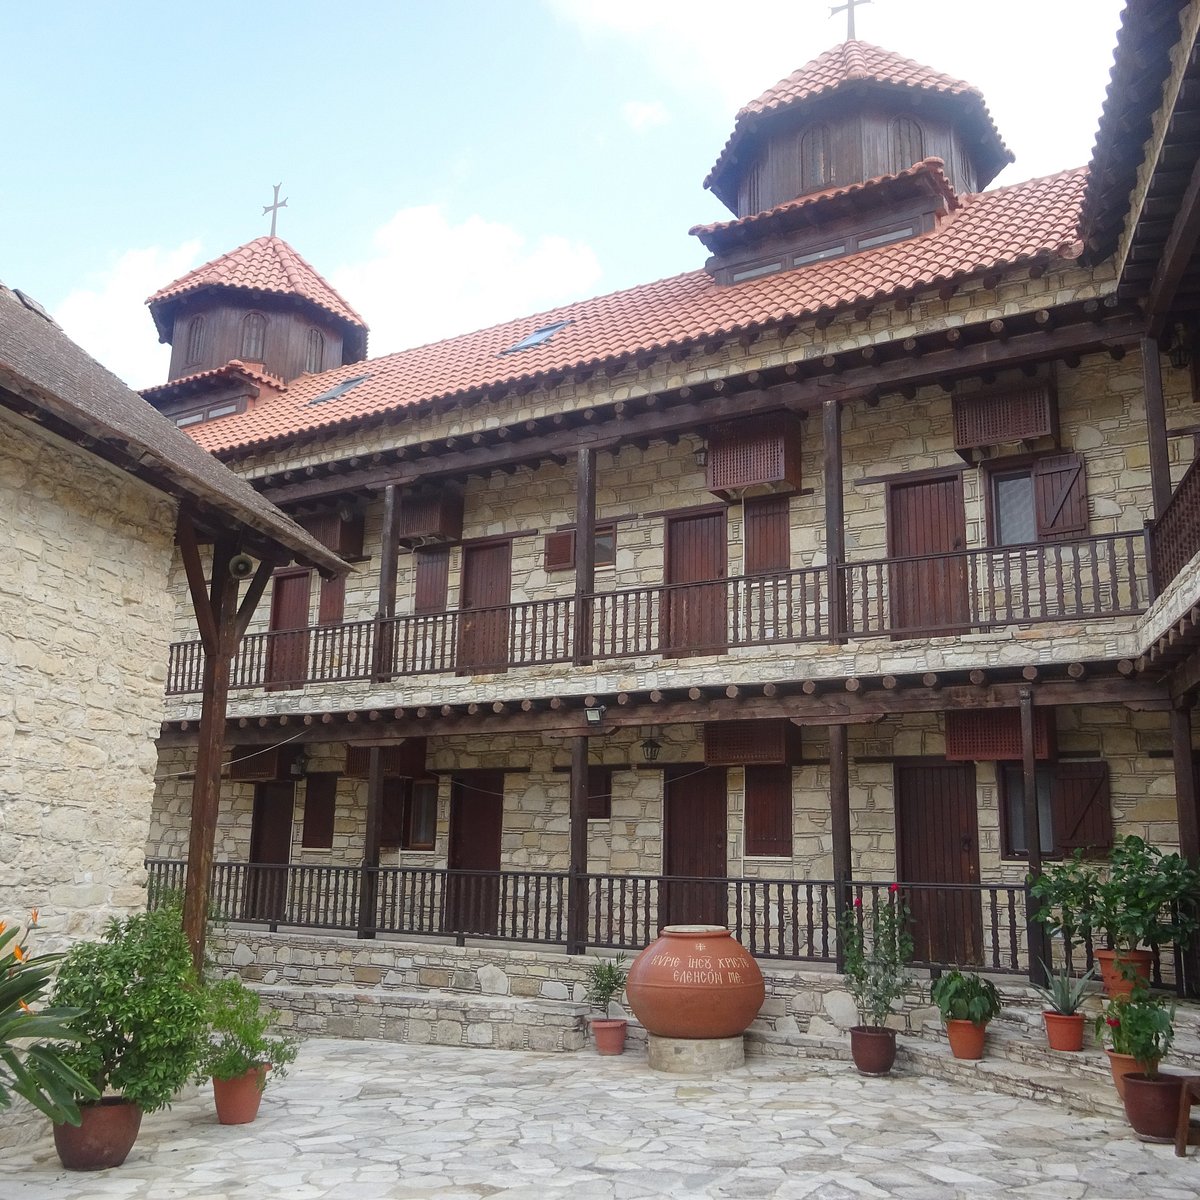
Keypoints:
pixel 274 207
pixel 848 8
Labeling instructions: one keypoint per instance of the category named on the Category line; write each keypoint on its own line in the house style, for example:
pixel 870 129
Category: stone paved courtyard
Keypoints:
pixel 367 1120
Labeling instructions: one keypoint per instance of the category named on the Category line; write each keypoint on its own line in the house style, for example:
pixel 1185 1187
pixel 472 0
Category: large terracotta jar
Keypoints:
pixel 102 1139
pixel 1152 1105
pixel 695 981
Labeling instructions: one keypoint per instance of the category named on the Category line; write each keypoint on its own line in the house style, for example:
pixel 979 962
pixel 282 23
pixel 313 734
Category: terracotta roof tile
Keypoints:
pixel 235 367
pixel 267 264
pixel 1014 224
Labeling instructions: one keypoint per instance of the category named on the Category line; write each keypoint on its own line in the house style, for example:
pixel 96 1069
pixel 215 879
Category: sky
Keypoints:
pixel 448 164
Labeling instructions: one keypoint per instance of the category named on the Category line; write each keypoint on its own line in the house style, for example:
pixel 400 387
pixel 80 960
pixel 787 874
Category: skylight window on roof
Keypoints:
pixel 537 338
pixel 339 389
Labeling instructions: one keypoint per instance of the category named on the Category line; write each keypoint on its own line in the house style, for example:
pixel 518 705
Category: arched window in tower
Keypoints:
pixel 750 198
pixel 314 356
pixel 254 333
pixel 195 339
pixel 814 158
pixel 908 143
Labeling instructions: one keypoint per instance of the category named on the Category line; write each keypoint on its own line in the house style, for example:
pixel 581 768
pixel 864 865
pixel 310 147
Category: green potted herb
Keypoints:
pixel 967 1003
pixel 1139 1030
pixel 605 982
pixel 141 1028
pixel 876 948
pixel 1063 996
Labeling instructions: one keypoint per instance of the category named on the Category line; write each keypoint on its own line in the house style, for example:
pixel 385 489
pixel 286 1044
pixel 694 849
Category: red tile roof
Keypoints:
pixel 267 264
pixel 988 231
pixel 235 368
pixel 855 63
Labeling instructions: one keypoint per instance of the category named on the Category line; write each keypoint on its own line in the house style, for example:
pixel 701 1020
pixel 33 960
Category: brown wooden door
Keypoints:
pixel 929 595
pixel 270 852
pixel 938 844
pixel 287 642
pixel 694 612
pixel 694 847
pixel 486 592
pixel 472 902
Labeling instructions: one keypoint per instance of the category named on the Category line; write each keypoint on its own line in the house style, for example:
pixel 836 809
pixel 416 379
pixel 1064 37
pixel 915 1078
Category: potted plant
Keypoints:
pixel 241 1050
pixel 141 1027
pixel 1143 1027
pixel 29 1067
pixel 967 1003
pixel 606 981
pixel 876 947
pixel 1063 996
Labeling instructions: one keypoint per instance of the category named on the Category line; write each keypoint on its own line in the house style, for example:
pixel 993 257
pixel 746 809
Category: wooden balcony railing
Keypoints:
pixel 976 589
pixel 1175 534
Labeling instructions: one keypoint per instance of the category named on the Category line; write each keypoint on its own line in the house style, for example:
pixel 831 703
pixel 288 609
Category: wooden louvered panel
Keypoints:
pixel 343 536
pixel 406 761
pixel 425 514
pixel 1009 416
pixel 741 743
pixel 753 452
pixel 994 735
pixel 259 764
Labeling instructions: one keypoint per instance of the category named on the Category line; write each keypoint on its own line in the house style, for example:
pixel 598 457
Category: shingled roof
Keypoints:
pixel 987 232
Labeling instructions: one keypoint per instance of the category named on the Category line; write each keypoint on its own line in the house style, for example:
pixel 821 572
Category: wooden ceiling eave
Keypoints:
pixel 861 373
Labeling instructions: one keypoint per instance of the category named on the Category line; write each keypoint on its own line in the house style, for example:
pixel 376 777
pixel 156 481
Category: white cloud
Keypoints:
pixel 108 316
pixel 644 114
pixel 430 278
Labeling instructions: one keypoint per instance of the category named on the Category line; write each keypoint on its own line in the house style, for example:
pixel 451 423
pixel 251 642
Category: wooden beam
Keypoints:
pixel 254 593
pixel 585 553
pixel 835 521
pixel 1176 254
pixel 189 550
pixel 839 822
pixel 577 870
pixel 1156 426
pixel 372 836
pixel 1035 933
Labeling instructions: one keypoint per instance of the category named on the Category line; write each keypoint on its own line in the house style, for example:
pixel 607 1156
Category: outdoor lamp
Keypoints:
pixel 650 749
pixel 594 714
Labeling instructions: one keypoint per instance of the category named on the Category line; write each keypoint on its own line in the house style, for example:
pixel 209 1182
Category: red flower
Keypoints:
pixel 1114 1022
pixel 893 888
pixel 858 902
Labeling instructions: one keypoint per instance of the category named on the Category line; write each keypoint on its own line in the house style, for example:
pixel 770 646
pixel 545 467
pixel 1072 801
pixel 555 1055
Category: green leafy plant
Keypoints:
pixel 29 1067
pixel 1064 994
pixel 240 1035
pixel 876 947
pixel 141 1010
pixel 964 996
pixel 606 981
pixel 1140 1025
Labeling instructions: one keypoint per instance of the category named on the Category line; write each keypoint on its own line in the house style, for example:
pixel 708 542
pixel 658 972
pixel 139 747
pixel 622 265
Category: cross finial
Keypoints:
pixel 848 9
pixel 277 204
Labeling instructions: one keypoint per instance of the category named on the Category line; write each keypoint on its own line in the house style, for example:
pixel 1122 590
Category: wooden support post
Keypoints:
pixel 1187 807
pixel 839 821
pixel 577 897
pixel 386 608
pixel 1156 426
pixel 835 525
pixel 369 880
pixel 585 554
pixel 1036 938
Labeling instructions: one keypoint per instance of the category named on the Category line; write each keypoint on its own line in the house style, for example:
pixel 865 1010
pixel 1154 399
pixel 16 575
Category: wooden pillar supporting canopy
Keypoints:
pixel 386 608
pixel 585 554
pixel 839 821
pixel 1156 426
pixel 577 872
pixel 835 524
pixel 370 872
pixel 1188 809
pixel 1037 940
pixel 221 623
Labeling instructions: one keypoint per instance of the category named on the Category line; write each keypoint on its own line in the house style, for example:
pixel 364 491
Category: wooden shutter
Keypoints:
pixel 753 451
pixel 262 764
pixel 425 514
pixel 320 803
pixel 432 568
pixel 1012 415
pixel 331 607
pixel 599 786
pixel 391 824
pixel 773 741
pixel 1082 807
pixel 767 535
pixel 404 761
pixel 768 815
pixel 1060 496
pixel 343 536
pixel 560 550
pixel 994 734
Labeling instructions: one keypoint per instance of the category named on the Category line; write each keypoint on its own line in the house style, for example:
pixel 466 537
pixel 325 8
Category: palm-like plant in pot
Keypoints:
pixel 876 949
pixel 967 1003
pixel 1063 996
pixel 605 982
pixel 141 1027
pixel 241 1049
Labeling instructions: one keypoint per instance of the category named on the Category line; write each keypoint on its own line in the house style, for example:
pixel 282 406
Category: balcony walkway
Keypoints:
pixel 376 1120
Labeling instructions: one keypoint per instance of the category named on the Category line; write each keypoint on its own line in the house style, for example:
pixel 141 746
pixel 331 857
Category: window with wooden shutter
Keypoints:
pixel 420 823
pixel 599 786
pixel 908 143
pixel 391 818
pixel 560 550
pixel 254 332
pixel 767 535
pixel 331 607
pixel 1060 496
pixel 768 812
pixel 1082 808
pixel 814 158
pixel 320 805
pixel 431 566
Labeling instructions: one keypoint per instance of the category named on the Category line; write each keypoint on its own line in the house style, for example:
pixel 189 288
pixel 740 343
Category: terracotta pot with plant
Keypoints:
pixel 241 1050
pixel 141 1029
pixel 876 947
pixel 967 1003
pixel 1138 1031
pixel 606 981
pixel 1063 996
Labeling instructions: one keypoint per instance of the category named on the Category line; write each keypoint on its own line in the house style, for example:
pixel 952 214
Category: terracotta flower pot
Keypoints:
pixel 609 1035
pixel 1064 1032
pixel 966 1038
pixel 1152 1105
pixel 1122 1065
pixel 695 981
pixel 1115 981
pixel 873 1049
pixel 238 1098
pixel 103 1138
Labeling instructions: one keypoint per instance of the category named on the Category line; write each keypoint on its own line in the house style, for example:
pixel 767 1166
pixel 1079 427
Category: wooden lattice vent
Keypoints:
pixel 1012 415
pixel 406 761
pixel 994 735
pixel 772 742
pixel 262 764
pixel 340 532
pixel 754 452
pixel 430 516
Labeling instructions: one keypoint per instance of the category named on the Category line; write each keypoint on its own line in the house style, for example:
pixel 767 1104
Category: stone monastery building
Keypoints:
pixel 862 552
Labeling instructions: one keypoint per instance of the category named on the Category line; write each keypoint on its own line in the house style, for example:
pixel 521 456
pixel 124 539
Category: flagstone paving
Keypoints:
pixel 374 1120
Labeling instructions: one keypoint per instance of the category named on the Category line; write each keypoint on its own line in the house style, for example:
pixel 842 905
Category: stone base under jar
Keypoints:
pixel 696 1056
